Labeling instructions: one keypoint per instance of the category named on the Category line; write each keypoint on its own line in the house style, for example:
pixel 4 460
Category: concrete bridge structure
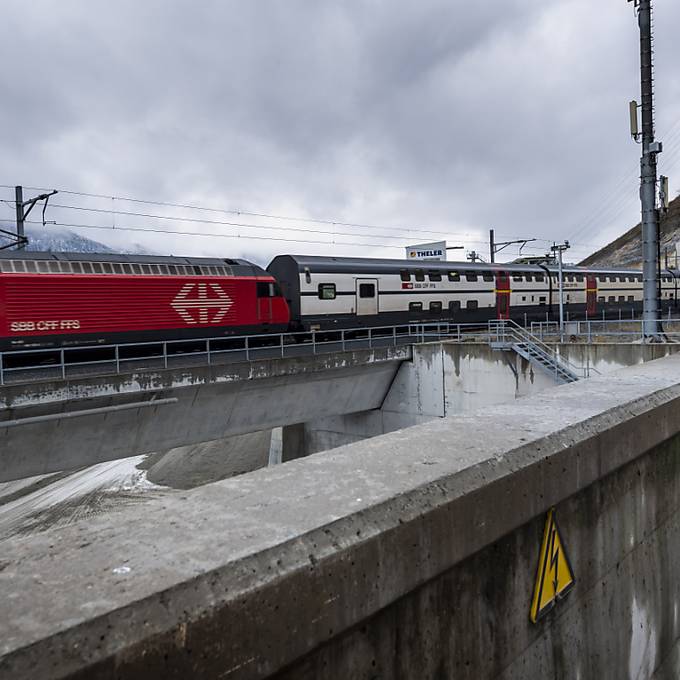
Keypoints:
pixel 321 401
pixel 410 555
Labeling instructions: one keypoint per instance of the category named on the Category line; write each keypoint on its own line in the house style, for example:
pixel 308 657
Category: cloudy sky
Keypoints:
pixel 418 121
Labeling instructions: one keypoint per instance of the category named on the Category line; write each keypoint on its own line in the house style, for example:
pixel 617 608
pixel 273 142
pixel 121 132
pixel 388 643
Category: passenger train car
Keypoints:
pixel 67 299
pixel 329 292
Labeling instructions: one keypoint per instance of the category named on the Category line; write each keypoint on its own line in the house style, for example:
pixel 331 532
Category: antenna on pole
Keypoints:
pixel 650 149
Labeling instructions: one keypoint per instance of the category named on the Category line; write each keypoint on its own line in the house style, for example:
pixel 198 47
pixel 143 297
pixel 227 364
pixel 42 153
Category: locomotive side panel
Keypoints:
pixel 125 308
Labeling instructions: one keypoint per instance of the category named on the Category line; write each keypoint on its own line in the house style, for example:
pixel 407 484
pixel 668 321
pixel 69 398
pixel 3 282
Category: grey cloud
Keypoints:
pixel 449 115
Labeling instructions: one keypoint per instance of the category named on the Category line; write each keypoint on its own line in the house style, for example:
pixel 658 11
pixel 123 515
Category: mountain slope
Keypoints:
pixel 626 251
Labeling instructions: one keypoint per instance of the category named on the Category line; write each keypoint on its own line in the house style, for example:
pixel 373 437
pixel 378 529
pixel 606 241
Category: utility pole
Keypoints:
pixel 474 256
pixel 22 212
pixel 497 247
pixel 559 249
pixel 648 161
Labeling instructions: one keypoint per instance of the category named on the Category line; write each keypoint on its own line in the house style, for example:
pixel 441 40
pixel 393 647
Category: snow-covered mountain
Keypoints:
pixel 58 239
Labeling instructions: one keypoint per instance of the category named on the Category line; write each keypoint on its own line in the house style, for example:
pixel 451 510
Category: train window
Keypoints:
pixel 308 275
pixel 622 298
pixel 87 268
pixel 454 306
pixel 631 298
pixel 600 298
pixel 5 265
pixel 172 269
pixel 471 304
pixel 524 298
pixel 42 266
pixel 529 278
pixel 264 289
pixel 420 275
pixel 415 306
pixel 117 268
pixel 77 267
pixel 436 307
pixel 106 267
pixel 97 267
pixel 579 278
pixel 612 298
pixel 327 291
pixel 366 290
pixel 53 267
pixel 470 276
pixel 454 276
pixel 30 266
pixel 65 267
pixel 127 268
pixel 18 266
pixel 541 300
pixel 487 276
pixel 136 269
pixel 540 277
pixel 146 269
pixel 631 279
pixel 435 276
pixel 277 290
pixel 405 275
pixel 213 271
pixel 517 277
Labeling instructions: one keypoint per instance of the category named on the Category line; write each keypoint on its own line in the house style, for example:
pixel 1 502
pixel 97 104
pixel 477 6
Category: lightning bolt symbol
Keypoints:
pixel 555 559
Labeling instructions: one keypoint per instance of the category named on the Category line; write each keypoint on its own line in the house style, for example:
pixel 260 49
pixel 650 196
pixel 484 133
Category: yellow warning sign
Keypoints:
pixel 555 576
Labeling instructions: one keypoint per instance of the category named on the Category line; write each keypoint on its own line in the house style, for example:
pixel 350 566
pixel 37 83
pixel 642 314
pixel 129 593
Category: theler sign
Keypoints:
pixel 427 251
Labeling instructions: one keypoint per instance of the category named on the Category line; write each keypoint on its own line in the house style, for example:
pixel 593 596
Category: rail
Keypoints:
pixel 588 330
pixel 35 365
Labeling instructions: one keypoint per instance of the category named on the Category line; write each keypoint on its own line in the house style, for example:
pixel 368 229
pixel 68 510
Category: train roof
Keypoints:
pixel 238 267
pixel 117 257
pixel 376 266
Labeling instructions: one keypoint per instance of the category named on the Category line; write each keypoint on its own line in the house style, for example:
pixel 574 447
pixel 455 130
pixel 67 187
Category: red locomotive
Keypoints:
pixel 67 299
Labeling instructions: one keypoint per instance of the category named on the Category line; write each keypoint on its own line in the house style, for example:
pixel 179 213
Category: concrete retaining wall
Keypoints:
pixel 408 555
pixel 212 403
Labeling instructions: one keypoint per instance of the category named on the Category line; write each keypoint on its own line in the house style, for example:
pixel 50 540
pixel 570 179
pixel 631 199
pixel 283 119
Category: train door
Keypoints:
pixel 591 295
pixel 502 295
pixel 265 291
pixel 367 297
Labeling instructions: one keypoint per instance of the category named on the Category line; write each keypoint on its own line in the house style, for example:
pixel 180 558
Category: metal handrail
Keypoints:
pixel 513 330
pixel 122 355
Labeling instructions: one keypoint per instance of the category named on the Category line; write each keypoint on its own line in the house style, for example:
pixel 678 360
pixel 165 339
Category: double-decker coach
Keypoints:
pixel 67 299
pixel 338 292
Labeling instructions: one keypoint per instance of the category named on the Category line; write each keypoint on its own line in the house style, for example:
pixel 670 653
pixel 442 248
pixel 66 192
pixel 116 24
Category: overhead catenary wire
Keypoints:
pixel 287 218
pixel 154 230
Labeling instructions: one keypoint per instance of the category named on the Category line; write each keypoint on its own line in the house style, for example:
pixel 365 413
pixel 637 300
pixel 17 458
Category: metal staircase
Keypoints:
pixel 505 334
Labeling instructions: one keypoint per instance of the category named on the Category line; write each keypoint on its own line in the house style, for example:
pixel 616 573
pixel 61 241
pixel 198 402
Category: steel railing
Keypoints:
pixel 68 361
pixel 31 365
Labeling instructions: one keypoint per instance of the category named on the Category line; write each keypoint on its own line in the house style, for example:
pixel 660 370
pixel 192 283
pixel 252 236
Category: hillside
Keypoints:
pixel 626 251
pixel 54 239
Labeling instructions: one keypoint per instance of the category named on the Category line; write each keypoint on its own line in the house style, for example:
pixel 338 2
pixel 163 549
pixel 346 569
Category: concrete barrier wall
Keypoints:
pixel 409 555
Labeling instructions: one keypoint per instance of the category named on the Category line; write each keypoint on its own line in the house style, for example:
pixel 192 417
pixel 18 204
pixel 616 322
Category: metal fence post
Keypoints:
pixel 281 337
pixel 165 355
pixel 247 349
pixel 207 345
pixel 370 339
pixel 117 359
pixel 2 374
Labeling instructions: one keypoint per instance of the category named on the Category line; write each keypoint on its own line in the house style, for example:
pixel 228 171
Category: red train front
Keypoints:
pixel 67 299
